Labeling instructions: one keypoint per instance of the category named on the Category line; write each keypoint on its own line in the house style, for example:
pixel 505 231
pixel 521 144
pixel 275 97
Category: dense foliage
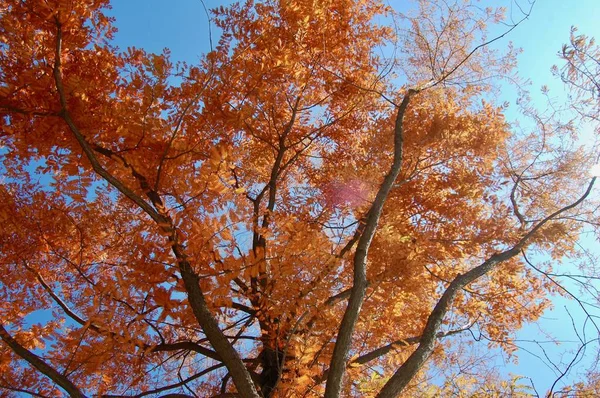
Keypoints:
pixel 309 210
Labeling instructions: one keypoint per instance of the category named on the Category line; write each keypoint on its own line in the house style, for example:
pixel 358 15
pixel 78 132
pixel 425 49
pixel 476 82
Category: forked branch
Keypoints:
pixel 210 326
pixel 411 366
pixel 359 286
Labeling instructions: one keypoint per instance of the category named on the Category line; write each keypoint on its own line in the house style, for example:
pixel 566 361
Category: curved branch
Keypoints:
pixel 359 286
pixel 181 345
pixel 40 364
pixel 181 383
pixel 411 366
pixel 205 318
pixel 381 351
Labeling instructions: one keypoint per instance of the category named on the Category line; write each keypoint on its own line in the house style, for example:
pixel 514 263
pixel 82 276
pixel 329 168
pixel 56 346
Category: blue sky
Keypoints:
pixel 182 27
pixel 541 38
pixel 548 27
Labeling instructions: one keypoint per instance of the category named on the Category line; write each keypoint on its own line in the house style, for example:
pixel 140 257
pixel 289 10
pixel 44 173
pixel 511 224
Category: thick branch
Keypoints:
pixel 407 371
pixel 182 345
pixel 64 113
pixel 229 355
pixel 40 364
pixel 381 351
pixel 359 286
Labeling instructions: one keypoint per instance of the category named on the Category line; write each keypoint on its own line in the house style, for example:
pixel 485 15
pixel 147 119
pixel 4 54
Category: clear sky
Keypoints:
pixel 541 37
pixel 182 27
pixel 547 29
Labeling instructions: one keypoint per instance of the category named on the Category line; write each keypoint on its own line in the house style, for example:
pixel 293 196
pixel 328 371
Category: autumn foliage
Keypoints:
pixel 299 214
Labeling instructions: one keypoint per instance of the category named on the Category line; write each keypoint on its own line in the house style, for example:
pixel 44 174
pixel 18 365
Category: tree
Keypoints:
pixel 293 216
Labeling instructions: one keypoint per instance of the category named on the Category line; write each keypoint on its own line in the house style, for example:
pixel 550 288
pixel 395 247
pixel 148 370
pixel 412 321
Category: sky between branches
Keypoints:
pixel 183 27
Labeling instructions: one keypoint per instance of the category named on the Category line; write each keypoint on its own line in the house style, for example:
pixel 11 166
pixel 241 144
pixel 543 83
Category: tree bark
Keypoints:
pixel 40 364
pixel 342 345
pixel 231 359
pixel 409 369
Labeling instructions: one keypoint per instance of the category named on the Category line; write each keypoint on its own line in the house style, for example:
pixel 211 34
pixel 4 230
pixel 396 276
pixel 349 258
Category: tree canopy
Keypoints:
pixel 318 207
